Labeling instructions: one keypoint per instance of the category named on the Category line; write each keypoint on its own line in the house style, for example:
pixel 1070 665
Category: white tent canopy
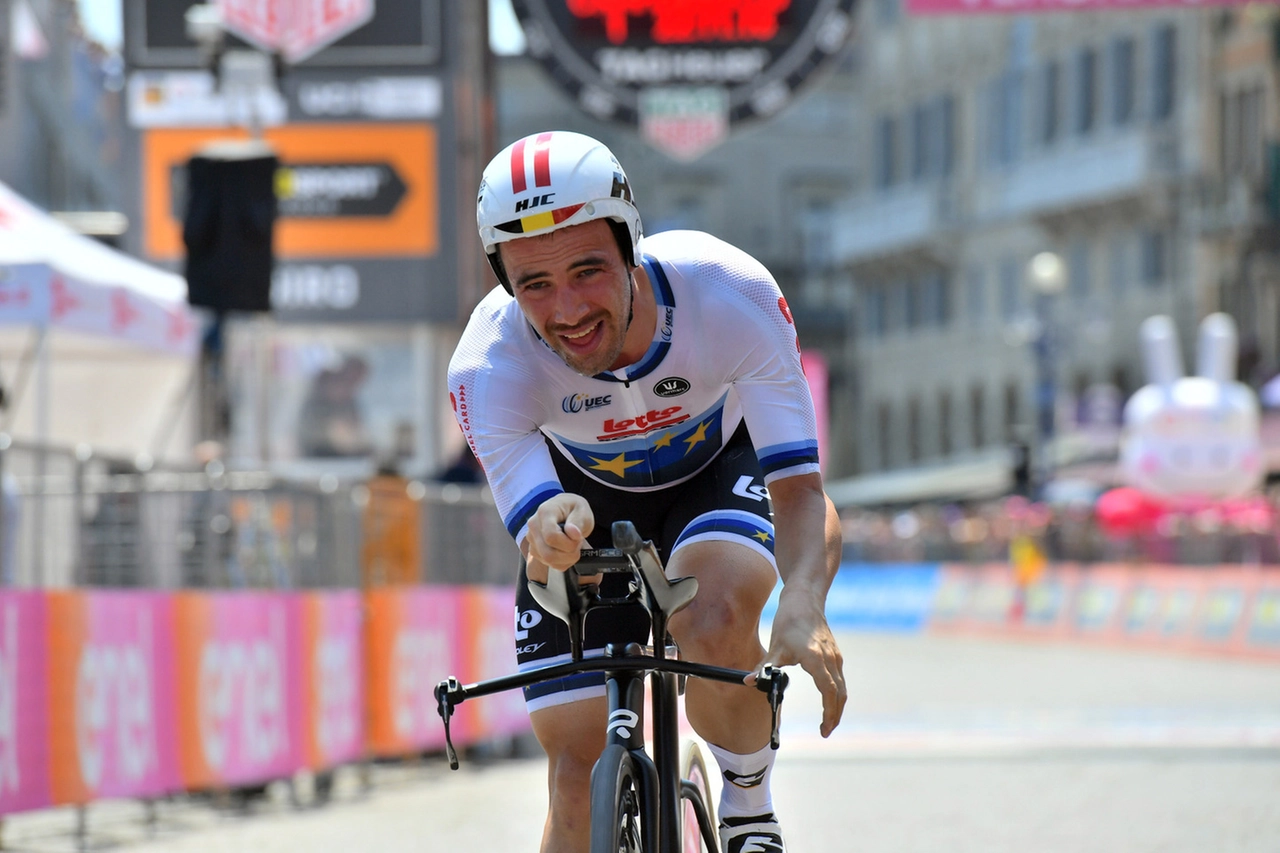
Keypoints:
pixel 114 337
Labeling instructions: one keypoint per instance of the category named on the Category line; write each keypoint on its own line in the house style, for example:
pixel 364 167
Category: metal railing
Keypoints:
pixel 74 518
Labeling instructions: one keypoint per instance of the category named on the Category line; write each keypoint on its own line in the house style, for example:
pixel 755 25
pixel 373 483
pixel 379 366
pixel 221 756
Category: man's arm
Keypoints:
pixel 807 548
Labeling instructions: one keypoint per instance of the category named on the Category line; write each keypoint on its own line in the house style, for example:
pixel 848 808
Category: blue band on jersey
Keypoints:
pixel 779 456
pixel 526 508
pixel 563 685
pixel 739 523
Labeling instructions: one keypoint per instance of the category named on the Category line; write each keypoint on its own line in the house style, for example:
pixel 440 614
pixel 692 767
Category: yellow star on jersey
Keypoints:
pixel 762 535
pixel 617 466
pixel 699 436
pixel 663 441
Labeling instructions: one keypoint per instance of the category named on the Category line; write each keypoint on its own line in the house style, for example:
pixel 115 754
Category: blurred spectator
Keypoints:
pixel 391 551
pixel 330 423
pixel 464 468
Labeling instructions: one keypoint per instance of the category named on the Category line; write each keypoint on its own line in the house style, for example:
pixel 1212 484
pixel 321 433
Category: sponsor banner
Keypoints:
pixel 1189 608
pixel 413 642
pixel 487 651
pixel 239 687
pixel 344 190
pixel 111 711
pixel 878 597
pixel 24 702
pixel 333 677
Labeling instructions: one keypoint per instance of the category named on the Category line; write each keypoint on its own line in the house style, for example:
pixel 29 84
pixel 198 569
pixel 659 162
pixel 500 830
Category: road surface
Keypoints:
pixel 960 744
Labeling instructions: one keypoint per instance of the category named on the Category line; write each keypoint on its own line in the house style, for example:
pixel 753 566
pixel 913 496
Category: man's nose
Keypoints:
pixel 570 307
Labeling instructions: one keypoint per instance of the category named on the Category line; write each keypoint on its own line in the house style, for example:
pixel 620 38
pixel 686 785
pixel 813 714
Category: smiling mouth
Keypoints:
pixel 582 335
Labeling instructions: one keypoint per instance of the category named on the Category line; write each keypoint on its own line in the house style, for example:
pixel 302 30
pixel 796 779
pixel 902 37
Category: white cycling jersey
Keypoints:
pixel 724 349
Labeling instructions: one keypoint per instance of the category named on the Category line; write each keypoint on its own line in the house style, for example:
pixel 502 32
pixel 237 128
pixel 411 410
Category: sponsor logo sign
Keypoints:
pixel 333 674
pixel 24 702
pixel 686 74
pixel 672 386
pixel 575 403
pixel 642 424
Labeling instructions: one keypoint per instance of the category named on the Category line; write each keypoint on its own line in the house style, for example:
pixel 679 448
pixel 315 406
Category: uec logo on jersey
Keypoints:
pixel 575 403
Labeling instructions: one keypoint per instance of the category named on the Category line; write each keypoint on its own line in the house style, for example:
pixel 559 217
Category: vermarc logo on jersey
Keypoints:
pixel 575 403
pixel 672 386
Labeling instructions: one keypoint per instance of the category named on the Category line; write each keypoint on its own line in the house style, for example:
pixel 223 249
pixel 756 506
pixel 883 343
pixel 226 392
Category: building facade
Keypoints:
pixel 985 140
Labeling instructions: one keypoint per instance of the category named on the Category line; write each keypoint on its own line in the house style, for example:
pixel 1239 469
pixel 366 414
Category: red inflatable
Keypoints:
pixel 1126 511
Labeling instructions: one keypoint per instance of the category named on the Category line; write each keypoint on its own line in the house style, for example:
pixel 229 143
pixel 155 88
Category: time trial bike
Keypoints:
pixel 640 802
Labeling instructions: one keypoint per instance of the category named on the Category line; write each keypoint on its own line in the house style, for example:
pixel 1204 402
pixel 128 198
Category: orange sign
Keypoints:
pixel 371 189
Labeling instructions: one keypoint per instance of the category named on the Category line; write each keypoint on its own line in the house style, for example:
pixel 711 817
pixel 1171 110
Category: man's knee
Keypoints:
pixel 734 583
pixel 572 735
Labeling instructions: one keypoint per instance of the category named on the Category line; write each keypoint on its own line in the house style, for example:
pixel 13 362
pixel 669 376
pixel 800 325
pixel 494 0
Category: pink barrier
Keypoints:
pixel 24 702
pixel 489 651
pixel 111 711
pixel 413 643
pixel 239 685
pixel 333 678
pixel 139 694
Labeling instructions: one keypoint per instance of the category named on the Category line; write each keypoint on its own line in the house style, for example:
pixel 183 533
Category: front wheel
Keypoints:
pixel 616 823
pixel 698 833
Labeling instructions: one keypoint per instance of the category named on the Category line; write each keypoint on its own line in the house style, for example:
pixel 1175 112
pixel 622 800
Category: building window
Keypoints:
pixel 977 416
pixel 886 152
pixel 935 304
pixel 944 136
pixel 816 234
pixel 919 142
pixel 1078 270
pixel 914 450
pixel 1164 72
pixel 884 428
pixel 875 311
pixel 1122 81
pixel 1086 90
pixel 1155 257
pixel 944 423
pixel 1012 398
pixel 1005 127
pixel 1010 293
pixel 1118 264
pixel 1241 133
pixel 975 286
pixel 913 289
pixel 1050 102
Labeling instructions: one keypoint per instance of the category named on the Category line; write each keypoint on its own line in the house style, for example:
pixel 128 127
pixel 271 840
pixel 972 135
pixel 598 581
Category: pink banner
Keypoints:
pixel 111 712
pixel 24 701
pixel 489 652
pixel 963 7
pixel 413 642
pixel 239 687
pixel 334 675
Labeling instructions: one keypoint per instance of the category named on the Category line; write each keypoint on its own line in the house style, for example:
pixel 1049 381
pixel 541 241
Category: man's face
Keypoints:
pixel 575 290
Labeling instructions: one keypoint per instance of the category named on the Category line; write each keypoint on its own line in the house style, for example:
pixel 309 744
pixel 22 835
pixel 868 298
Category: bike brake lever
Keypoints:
pixel 445 692
pixel 773 680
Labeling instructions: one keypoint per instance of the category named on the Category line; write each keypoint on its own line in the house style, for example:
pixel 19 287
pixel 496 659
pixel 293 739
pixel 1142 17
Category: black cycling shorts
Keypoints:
pixel 725 501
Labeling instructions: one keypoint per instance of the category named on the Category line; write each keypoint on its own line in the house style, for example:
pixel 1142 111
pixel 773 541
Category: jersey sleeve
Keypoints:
pixel 767 377
pixel 493 400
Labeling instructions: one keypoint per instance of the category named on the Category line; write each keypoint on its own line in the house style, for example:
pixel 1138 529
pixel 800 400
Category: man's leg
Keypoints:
pixel 722 627
pixel 573 737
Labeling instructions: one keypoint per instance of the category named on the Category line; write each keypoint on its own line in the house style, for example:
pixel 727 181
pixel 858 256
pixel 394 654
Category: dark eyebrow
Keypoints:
pixel 593 259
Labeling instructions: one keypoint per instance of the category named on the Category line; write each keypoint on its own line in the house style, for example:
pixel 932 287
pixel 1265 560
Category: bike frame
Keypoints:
pixel 625 668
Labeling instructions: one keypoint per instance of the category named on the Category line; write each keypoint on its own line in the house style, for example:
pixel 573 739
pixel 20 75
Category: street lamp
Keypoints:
pixel 1047 277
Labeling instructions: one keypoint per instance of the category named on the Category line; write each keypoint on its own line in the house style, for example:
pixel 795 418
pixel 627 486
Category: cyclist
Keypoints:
pixel 658 381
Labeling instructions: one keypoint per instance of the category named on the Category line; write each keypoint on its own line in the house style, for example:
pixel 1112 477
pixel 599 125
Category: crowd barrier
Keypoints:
pixel 142 694
pixel 1221 609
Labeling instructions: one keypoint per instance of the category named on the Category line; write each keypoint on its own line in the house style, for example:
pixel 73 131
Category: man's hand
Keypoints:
pixel 558 532
pixel 801 635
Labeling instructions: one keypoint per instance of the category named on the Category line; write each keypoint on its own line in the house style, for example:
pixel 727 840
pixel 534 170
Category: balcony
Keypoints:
pixel 1080 173
pixel 895 221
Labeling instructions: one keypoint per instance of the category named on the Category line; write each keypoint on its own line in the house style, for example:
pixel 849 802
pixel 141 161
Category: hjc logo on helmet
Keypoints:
pixel 536 201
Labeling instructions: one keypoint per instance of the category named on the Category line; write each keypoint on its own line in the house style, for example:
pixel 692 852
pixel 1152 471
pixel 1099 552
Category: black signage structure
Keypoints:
pixel 684 73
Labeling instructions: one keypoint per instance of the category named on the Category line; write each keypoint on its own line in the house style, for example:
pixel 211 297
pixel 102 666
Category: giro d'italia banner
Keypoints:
pixel 684 72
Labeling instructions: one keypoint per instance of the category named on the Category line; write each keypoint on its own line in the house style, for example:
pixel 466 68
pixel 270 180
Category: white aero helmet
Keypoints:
pixel 553 180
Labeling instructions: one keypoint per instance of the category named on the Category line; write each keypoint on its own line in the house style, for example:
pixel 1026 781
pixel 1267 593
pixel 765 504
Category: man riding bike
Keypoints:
pixel 656 380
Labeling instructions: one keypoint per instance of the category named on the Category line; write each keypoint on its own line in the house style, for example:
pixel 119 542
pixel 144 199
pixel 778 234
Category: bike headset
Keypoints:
pixel 552 180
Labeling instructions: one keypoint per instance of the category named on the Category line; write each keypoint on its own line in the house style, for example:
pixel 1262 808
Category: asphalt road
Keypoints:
pixel 949 744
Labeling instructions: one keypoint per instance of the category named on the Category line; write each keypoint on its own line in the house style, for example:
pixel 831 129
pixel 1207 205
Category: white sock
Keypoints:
pixel 746 781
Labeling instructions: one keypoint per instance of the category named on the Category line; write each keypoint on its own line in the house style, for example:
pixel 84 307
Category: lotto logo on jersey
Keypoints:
pixel 641 424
